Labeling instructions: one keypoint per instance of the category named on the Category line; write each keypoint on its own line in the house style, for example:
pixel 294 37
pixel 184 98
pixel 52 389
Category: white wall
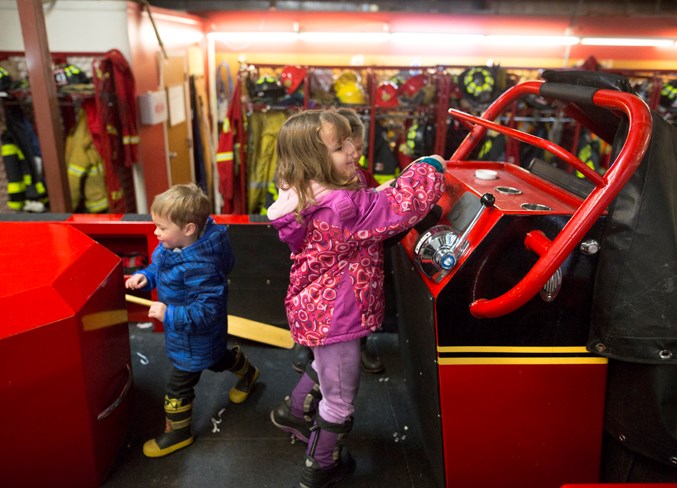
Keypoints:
pixel 72 26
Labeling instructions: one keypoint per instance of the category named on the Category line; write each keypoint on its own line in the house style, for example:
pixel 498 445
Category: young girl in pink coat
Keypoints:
pixel 335 228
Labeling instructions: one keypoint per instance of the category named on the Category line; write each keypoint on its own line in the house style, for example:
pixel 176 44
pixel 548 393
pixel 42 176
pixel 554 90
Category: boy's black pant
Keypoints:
pixel 182 383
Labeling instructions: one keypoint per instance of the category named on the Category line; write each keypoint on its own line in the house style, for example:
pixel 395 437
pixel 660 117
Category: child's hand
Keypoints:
pixel 136 281
pixel 157 311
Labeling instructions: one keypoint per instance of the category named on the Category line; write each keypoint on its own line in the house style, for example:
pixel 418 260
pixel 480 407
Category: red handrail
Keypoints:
pixel 552 254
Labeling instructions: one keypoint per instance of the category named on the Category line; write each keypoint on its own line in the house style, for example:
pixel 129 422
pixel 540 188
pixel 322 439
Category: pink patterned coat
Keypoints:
pixel 335 292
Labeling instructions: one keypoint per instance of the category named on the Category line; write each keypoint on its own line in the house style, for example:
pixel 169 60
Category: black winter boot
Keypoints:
pixel 248 375
pixel 370 362
pixel 283 418
pixel 296 414
pixel 177 429
pixel 327 463
pixel 302 356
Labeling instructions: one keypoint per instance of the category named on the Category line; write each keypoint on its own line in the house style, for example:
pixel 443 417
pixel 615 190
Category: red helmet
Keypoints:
pixel 412 89
pixel 292 77
pixel 386 94
pixel 413 85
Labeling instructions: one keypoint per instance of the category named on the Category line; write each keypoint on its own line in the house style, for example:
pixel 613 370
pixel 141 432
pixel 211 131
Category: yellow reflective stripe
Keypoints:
pixel 116 195
pixel 40 188
pixel 12 150
pixel 669 91
pixel 523 360
pixel 16 205
pixel 16 187
pixel 486 147
pixel 515 349
pixel 226 125
pixel 97 205
pixel 363 161
pixel 585 155
pixel 224 156
pixel 258 184
pixel 96 169
pixel 272 189
pixel 544 355
pixel 72 70
pixel 76 170
pixel 130 140
pixel 28 180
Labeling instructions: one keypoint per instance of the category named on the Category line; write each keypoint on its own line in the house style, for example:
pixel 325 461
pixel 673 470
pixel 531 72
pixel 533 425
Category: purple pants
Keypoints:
pixel 338 369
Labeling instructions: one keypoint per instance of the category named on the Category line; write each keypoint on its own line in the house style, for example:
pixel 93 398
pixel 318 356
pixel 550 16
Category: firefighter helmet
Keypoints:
pixel 292 77
pixel 69 74
pixel 386 94
pixel 411 91
pixel 478 84
pixel 351 93
pixel 346 78
pixel 267 89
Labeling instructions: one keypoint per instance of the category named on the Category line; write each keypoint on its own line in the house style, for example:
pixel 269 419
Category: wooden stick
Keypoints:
pixel 243 328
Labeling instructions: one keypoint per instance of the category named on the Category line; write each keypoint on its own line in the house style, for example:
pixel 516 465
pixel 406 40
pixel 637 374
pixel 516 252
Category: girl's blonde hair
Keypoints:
pixel 302 156
pixel 183 204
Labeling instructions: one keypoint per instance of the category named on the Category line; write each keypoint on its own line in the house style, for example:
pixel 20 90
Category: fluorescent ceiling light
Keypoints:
pixel 254 36
pixel 533 41
pixel 347 37
pixel 626 41
pixel 436 38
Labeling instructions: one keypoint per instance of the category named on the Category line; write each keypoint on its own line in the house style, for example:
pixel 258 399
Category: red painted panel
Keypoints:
pixel 518 425
pixel 64 357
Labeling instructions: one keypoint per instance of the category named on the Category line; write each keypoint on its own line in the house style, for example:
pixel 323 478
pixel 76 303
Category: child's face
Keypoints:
pixel 342 152
pixel 170 235
pixel 358 145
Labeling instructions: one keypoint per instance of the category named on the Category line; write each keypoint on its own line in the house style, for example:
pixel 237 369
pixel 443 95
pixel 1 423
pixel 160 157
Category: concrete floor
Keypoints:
pixel 245 449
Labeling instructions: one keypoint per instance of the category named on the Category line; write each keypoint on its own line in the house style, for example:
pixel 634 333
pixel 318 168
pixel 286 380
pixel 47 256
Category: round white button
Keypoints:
pixel 486 174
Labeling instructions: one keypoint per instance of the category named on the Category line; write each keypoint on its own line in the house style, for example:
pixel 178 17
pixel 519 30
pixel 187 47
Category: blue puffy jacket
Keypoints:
pixel 193 284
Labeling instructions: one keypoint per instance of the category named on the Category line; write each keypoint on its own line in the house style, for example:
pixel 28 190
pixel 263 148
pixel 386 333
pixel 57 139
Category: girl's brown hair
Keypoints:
pixel 356 125
pixel 302 156
pixel 183 204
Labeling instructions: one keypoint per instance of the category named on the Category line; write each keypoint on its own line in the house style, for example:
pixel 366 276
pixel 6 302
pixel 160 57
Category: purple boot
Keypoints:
pixel 327 462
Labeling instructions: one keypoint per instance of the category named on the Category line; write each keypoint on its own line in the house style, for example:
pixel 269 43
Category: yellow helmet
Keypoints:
pixel 351 93
pixel 347 77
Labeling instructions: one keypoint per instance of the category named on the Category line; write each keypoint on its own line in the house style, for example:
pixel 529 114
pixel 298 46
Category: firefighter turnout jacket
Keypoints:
pixel 85 169
pixel 116 110
pixel 20 154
